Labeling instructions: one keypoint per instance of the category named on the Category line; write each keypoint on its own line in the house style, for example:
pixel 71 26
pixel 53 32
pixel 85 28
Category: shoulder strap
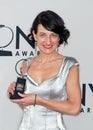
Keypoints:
pixel 28 60
pixel 25 66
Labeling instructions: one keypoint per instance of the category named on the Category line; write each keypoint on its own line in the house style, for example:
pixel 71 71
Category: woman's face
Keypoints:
pixel 47 40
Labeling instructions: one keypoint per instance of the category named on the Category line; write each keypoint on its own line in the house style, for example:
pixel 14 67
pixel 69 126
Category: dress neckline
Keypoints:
pixel 37 84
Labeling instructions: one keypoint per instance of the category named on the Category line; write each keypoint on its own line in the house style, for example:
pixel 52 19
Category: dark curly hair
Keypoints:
pixel 52 22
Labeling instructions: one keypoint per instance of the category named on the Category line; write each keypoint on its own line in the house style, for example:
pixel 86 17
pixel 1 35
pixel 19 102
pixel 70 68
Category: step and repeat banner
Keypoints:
pixel 16 18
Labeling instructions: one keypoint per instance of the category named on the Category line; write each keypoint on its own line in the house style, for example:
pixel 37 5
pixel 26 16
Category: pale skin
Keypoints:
pixel 46 65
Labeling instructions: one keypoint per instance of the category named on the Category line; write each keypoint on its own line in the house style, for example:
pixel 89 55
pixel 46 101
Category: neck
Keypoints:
pixel 43 58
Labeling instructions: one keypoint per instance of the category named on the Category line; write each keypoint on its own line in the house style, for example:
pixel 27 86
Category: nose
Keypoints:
pixel 48 40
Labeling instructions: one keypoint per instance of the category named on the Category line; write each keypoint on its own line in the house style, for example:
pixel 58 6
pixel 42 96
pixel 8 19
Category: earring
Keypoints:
pixel 35 47
pixel 57 49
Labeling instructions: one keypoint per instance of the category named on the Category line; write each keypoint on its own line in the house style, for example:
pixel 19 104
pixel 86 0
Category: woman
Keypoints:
pixel 52 80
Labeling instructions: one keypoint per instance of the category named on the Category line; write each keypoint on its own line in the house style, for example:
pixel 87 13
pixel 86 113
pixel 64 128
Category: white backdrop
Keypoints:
pixel 78 17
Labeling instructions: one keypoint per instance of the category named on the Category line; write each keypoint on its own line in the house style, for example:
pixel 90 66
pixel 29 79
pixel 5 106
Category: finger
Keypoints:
pixel 19 101
pixel 12 85
pixel 11 88
pixel 21 95
pixel 9 92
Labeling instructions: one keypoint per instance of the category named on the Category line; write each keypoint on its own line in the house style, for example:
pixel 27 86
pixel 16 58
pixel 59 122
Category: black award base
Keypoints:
pixel 20 87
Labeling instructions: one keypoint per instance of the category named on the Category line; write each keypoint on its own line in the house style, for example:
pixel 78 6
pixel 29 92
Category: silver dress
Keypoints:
pixel 39 117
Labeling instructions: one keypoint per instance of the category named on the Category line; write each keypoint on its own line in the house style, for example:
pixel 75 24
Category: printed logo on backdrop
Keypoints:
pixel 6 39
pixel 87 94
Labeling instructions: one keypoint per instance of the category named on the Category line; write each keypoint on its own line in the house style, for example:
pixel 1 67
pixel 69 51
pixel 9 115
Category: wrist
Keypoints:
pixel 38 100
pixel 35 99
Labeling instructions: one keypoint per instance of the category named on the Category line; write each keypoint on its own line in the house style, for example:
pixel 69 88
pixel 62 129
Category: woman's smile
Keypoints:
pixel 47 46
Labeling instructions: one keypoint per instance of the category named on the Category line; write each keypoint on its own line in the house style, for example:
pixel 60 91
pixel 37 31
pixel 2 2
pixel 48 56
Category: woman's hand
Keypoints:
pixel 11 89
pixel 26 100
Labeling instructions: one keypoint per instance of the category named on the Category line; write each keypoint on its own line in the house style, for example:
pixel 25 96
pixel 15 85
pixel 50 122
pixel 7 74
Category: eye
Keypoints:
pixel 42 34
pixel 54 35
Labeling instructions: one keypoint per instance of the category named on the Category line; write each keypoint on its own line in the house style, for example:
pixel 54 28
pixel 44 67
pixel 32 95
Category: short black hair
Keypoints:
pixel 52 22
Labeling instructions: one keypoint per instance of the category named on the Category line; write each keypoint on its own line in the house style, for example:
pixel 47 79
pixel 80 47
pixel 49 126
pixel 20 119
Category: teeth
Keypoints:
pixel 47 46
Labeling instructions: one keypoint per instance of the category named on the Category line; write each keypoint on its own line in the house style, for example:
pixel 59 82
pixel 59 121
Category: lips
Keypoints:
pixel 47 47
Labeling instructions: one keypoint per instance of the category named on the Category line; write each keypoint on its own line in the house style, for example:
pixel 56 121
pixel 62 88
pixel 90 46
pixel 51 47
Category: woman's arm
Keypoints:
pixel 72 105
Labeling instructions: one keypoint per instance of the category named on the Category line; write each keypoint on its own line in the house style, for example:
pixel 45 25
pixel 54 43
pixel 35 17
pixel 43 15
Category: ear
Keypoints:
pixel 33 32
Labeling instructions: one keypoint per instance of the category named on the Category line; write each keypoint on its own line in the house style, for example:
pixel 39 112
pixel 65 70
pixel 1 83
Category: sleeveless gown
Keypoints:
pixel 39 117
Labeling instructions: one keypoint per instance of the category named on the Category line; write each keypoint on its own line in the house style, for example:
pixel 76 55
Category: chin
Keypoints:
pixel 49 51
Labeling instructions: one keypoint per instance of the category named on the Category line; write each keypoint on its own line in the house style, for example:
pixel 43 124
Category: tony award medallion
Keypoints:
pixel 20 82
